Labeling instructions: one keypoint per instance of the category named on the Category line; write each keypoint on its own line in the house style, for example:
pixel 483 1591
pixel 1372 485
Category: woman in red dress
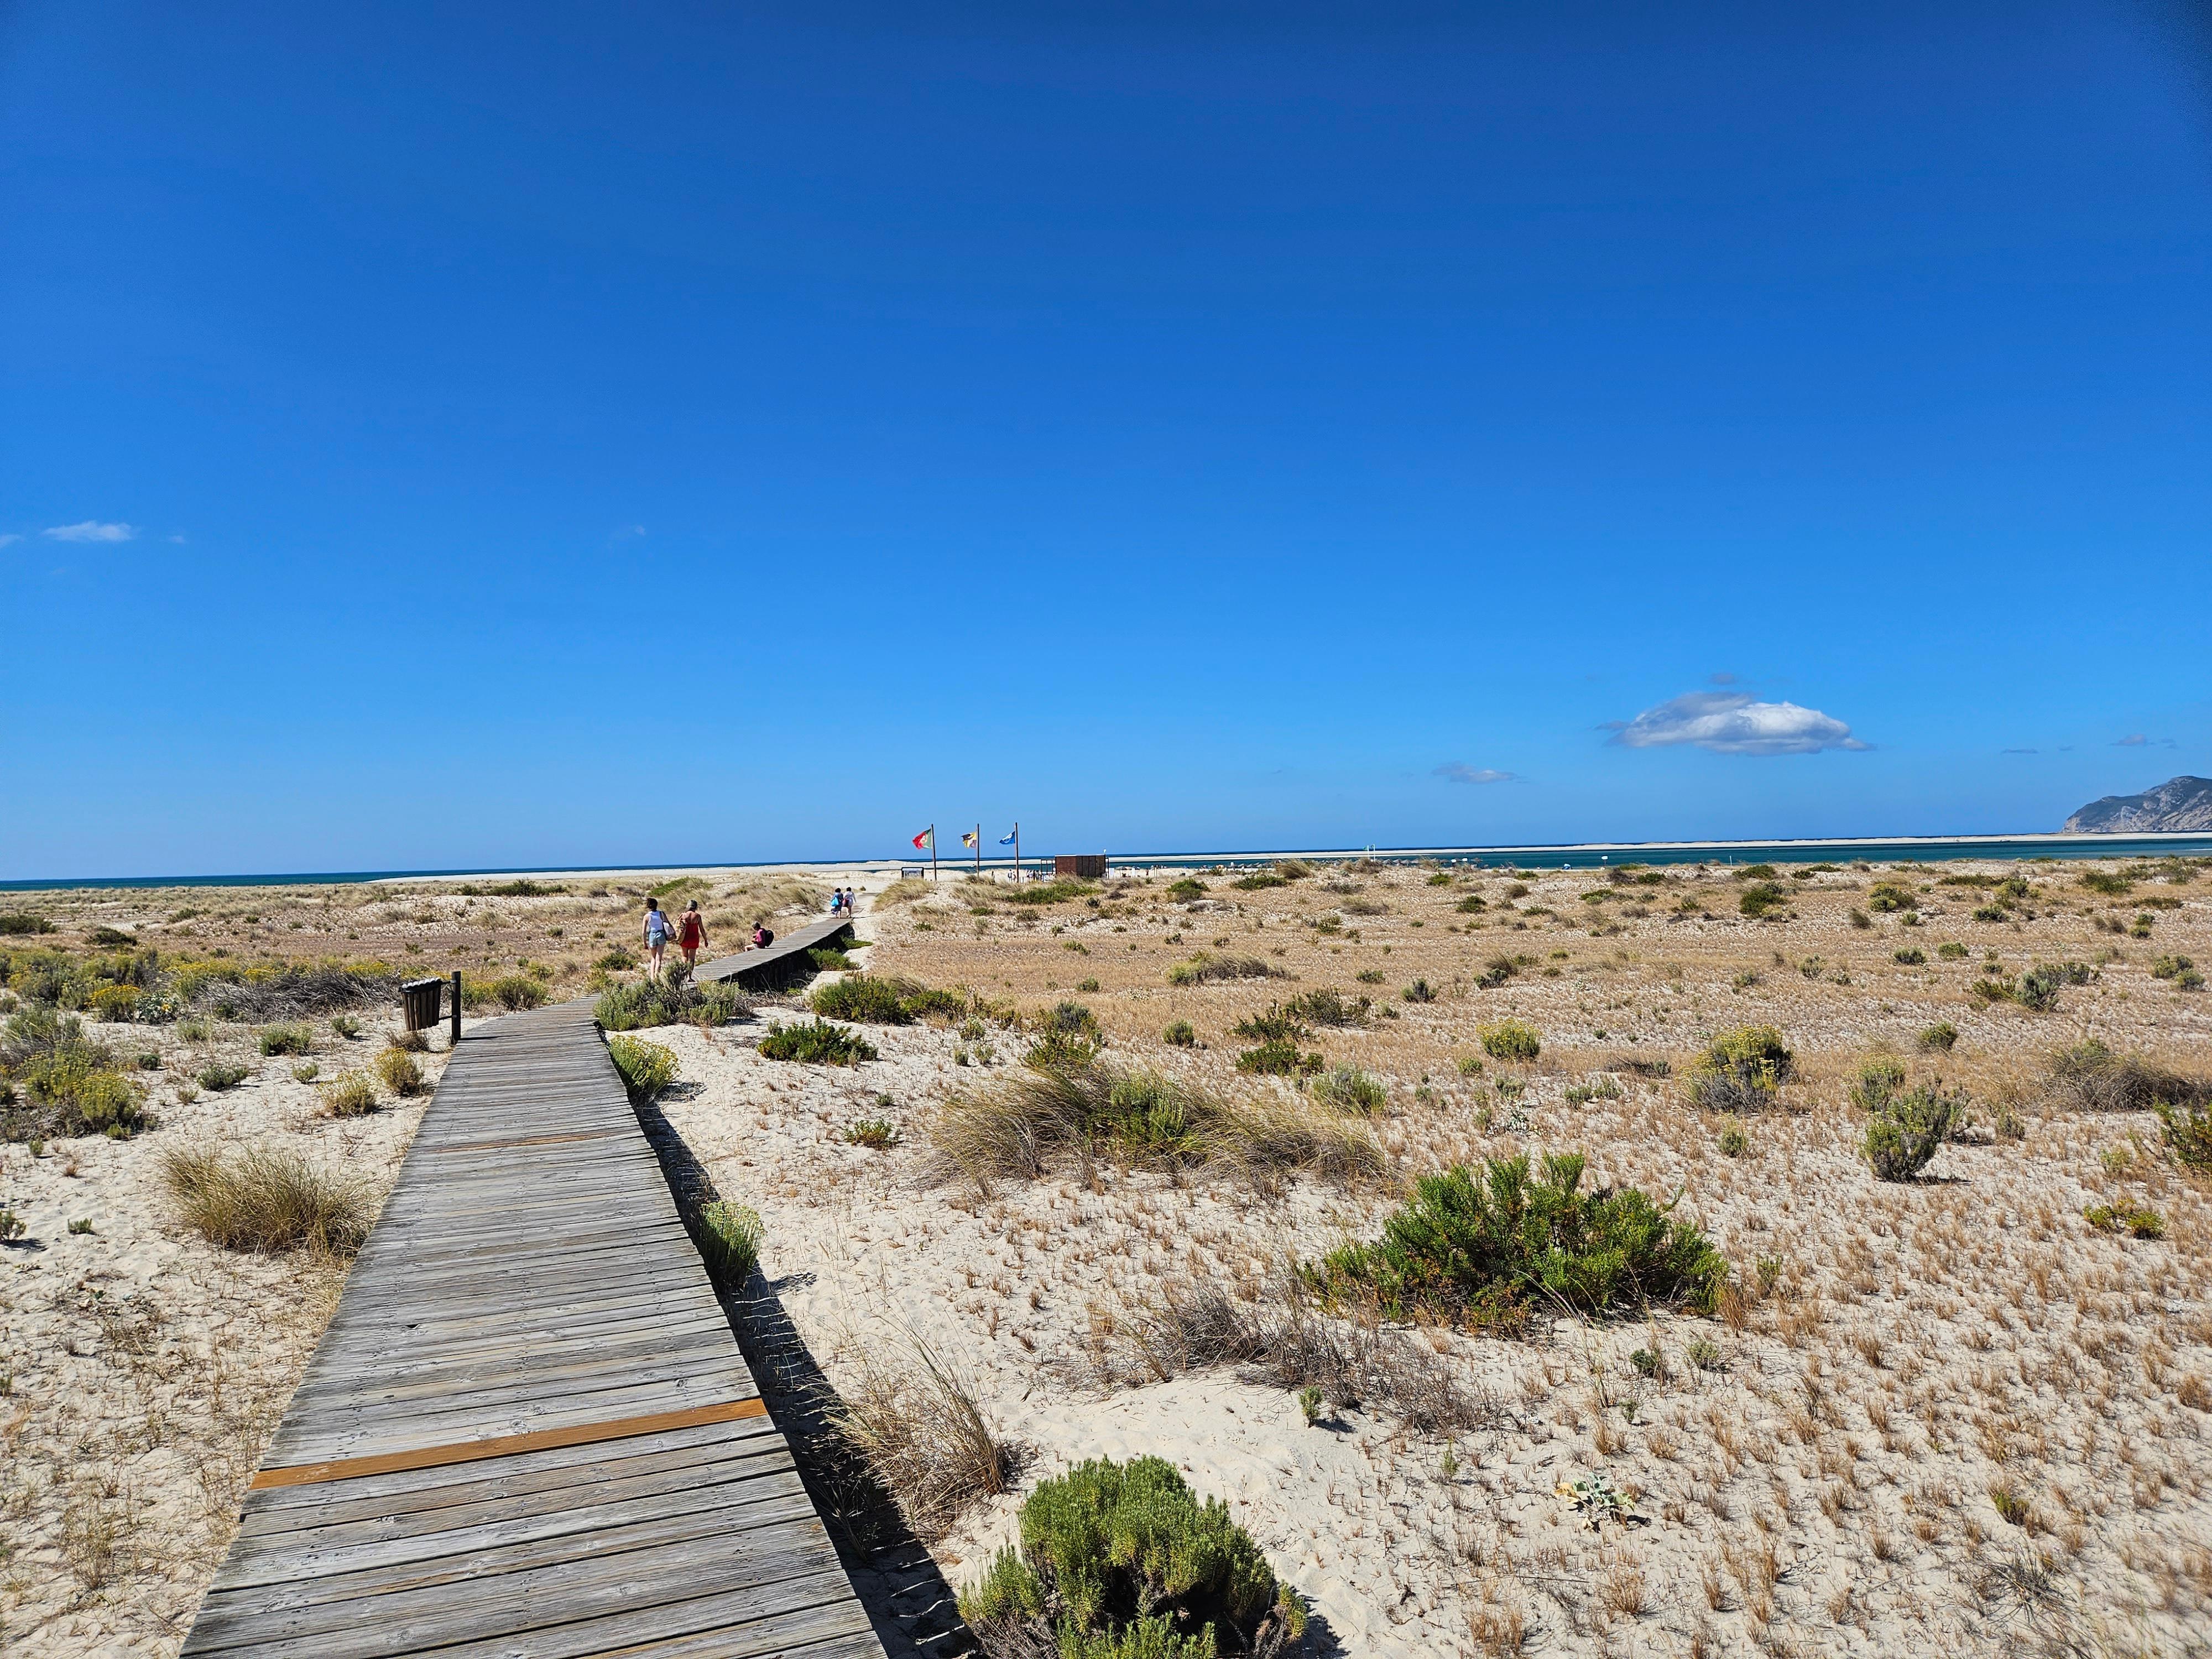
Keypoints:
pixel 691 933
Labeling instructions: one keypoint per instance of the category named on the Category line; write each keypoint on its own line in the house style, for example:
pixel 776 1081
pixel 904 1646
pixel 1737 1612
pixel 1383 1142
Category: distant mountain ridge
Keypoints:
pixel 2176 804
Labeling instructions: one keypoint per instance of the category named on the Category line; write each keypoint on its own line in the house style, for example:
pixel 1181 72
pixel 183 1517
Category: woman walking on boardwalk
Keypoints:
pixel 691 933
pixel 656 933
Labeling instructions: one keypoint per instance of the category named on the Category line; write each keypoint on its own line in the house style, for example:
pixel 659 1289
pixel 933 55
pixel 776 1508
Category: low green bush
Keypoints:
pixel 1348 1089
pixel 2106 882
pixel 1051 892
pixel 1761 899
pixel 1180 1035
pixel 1189 887
pixel 1473 905
pixel 18 924
pixel 1741 1070
pixel 815 1043
pixel 1951 950
pixel 647 1067
pixel 1904 1136
pixel 2186 1130
pixel 675 1001
pixel 1419 991
pixel 1495 1248
pixel 1911 957
pixel 1122 1561
pixel 2133 1219
pixel 511 993
pixel 397 1069
pixel 1278 1057
pixel 1203 968
pixel 216 1078
pixel 1942 1037
pixel 1886 897
pixel 1513 1041
pixel 881 999
pixel 878 1134
pixel 350 1094
pixel 287 1040
pixel 1272 1024
pixel 729 1241
pixel 1329 1007
pixel 344 1025
pixel 2170 967
pixel 1259 879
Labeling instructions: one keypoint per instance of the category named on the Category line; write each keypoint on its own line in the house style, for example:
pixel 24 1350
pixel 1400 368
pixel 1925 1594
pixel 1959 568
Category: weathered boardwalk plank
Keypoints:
pixel 528 1432
pixel 752 969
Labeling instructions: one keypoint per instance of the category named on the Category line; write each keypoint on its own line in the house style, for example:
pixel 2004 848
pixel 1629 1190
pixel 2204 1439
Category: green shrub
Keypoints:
pixel 1278 1057
pixel 115 1005
pixel 1121 1561
pixel 729 1241
pixel 1254 883
pixel 1904 1135
pixel 1942 1036
pixel 2170 967
pixel 1951 950
pixel 1886 897
pixel 878 1134
pixel 1203 968
pixel 647 1067
pixel 1273 1025
pixel 1189 887
pixel 17 924
pixel 216 1078
pixel 265 1199
pixel 1348 1089
pixel 1419 991
pixel 2187 1132
pixel 676 1001
pixel 2090 1077
pixel 616 961
pixel 2107 882
pixel 1473 905
pixel 1880 1081
pixel 1180 1035
pixel 398 1070
pixel 1051 892
pixel 1760 899
pixel 1513 1041
pixel 2132 1219
pixel 1734 1143
pixel 305 1072
pixel 350 1094
pixel 1498 970
pixel 344 1025
pixel 287 1040
pixel 1911 957
pixel 1756 872
pixel 815 1043
pixel 1498 1247
pixel 1742 1069
pixel 1329 1007
pixel 513 993
pixel 1369 976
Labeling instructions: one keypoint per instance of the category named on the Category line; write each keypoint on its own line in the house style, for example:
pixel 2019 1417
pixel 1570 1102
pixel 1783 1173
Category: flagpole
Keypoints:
pixel 979 851
pixel 932 853
pixel 1017 852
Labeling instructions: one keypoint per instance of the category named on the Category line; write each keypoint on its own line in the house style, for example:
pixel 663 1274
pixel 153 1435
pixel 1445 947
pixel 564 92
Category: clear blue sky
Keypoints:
pixel 533 434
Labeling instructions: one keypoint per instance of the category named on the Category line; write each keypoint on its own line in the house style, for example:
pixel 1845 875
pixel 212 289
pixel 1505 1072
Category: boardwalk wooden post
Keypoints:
pixel 456 1008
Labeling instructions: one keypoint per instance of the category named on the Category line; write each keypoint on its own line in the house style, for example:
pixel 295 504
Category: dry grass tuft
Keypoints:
pixel 921 1433
pixel 265 1199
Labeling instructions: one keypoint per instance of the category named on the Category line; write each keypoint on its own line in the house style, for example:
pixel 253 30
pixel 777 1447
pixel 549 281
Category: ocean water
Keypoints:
pixel 1907 850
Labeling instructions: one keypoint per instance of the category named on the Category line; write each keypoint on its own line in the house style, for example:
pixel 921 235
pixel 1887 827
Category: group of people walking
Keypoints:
pixel 690 933
pixel 841 901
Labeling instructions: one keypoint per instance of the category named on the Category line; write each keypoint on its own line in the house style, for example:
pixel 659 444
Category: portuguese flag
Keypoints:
pixel 926 841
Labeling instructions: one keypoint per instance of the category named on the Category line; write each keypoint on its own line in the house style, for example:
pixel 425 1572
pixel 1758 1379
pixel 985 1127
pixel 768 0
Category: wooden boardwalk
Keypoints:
pixel 753 969
pixel 528 1430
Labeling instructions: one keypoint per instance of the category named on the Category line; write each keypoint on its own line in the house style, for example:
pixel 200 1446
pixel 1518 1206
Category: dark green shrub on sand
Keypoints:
pixel 816 1043
pixel 1503 1243
pixel 1122 1561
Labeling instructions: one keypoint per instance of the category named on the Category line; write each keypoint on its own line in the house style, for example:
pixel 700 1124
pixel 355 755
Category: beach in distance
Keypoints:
pixel 1875 1318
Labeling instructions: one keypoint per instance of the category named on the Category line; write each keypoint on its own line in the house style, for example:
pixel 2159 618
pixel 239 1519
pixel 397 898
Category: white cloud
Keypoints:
pixel 1460 772
pixel 2133 740
pixel 9 540
pixel 91 531
pixel 1733 723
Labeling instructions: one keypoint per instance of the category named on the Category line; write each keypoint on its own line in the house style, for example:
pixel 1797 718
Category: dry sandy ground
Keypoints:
pixel 1823 1485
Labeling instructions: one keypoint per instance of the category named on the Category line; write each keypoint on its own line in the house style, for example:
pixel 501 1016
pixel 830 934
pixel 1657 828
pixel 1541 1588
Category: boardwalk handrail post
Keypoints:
pixel 456 1008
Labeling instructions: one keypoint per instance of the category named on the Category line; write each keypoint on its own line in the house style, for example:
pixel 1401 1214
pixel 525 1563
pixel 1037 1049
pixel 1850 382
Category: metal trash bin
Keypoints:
pixel 423 1001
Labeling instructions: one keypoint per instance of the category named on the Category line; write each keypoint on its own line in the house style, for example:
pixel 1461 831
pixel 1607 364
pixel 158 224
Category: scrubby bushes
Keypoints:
pixel 70 1085
pixel 1205 968
pixel 19 924
pixel 676 1001
pixel 1741 1070
pixel 2187 1132
pixel 229 991
pixel 1047 892
pixel 1189 887
pixel 2089 1077
pixel 1347 1089
pixel 350 1094
pixel 1180 1035
pixel 1022 1125
pixel 884 1000
pixel 1761 899
pixel 815 1043
pixel 1513 1041
pixel 1906 1128
pixel 265 1199
pixel 1327 1007
pixel 1499 1246
pixel 1121 1561
pixel 646 1068
pixel 398 1072
pixel 287 1040
pixel 729 1239
pixel 512 993
pixel 217 1078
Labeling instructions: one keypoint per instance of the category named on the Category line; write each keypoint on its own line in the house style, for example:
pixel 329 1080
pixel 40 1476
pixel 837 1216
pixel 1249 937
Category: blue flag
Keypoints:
pixel 1006 841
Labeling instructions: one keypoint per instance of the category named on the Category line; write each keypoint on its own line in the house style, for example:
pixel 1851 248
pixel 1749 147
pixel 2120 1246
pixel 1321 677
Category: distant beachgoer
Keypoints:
pixel 656 933
pixel 691 933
